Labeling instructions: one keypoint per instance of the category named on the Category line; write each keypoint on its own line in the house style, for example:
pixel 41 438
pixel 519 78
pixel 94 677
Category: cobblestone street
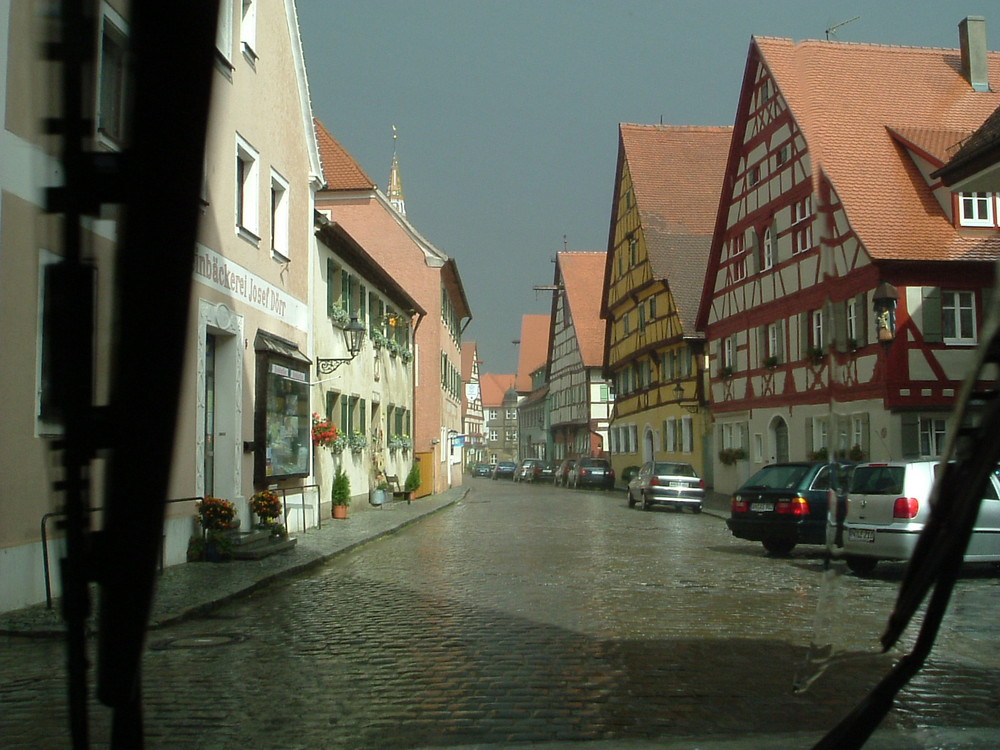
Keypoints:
pixel 530 614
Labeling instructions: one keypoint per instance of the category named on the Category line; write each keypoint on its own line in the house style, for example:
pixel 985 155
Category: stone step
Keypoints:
pixel 263 547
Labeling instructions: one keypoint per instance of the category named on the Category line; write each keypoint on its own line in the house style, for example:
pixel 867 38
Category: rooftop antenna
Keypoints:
pixel 833 29
pixel 565 244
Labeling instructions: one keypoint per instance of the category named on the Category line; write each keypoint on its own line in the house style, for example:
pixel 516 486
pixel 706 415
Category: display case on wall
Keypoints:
pixel 282 422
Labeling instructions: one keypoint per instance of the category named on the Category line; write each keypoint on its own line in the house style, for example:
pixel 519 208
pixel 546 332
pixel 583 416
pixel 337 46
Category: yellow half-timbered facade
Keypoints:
pixel 666 190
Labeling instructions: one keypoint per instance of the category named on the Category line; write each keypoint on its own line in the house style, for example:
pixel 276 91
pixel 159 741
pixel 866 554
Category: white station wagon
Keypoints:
pixel 888 505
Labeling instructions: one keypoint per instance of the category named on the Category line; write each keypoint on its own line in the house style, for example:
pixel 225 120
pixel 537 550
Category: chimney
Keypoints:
pixel 972 38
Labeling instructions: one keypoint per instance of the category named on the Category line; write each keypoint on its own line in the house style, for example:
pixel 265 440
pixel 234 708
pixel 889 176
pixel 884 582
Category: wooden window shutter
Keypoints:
pixel 809 435
pixel 362 303
pixel 804 326
pixel 345 290
pixel 862 311
pixel 930 313
pixel 840 325
pixel 331 294
pixel 910 434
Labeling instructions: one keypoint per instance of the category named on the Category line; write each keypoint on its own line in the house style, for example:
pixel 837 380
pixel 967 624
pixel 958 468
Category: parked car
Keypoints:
pixel 504 470
pixel 560 477
pixel 786 504
pixel 482 470
pixel 666 483
pixel 533 469
pixel 592 472
pixel 888 505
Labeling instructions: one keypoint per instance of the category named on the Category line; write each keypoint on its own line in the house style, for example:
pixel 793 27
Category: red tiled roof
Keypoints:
pixel 469 353
pixel 533 350
pixel 583 277
pixel 340 170
pixel 676 176
pixel 848 99
pixel 493 388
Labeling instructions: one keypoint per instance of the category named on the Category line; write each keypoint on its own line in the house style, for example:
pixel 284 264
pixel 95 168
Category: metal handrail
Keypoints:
pixel 45 543
pixel 284 504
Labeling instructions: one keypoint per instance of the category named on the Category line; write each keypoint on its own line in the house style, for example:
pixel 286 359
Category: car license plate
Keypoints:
pixel 861 535
pixel 762 507
pixel 681 485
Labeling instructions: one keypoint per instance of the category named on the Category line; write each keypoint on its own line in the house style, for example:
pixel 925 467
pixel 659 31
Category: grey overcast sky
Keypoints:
pixel 507 111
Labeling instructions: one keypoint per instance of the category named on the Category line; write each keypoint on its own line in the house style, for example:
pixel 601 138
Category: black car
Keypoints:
pixel 504 470
pixel 786 504
pixel 592 472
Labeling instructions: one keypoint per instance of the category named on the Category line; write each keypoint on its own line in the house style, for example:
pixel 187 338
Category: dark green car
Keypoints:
pixel 786 504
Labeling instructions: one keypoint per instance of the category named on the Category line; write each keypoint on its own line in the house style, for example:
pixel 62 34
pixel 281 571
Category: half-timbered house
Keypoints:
pixel 579 396
pixel 666 190
pixel 845 282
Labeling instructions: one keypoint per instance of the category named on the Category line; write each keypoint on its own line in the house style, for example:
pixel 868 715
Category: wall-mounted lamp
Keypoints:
pixel 884 302
pixel 679 395
pixel 354 337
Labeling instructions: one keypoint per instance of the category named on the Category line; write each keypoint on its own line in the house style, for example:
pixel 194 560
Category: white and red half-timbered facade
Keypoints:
pixel 845 283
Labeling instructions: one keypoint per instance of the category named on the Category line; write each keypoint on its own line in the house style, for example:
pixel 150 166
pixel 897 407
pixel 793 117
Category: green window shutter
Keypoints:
pixel 809 435
pixel 331 404
pixel 331 294
pixel 345 290
pixel 909 434
pixel 803 335
pixel 930 313
pixel 344 414
pixel 862 308
pixel 362 304
pixel 362 416
pixel 840 325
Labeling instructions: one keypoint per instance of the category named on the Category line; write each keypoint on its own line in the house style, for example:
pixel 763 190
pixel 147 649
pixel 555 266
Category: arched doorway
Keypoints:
pixel 779 440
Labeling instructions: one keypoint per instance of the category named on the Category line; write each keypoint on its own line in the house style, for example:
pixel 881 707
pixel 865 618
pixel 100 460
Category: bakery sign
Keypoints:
pixel 232 279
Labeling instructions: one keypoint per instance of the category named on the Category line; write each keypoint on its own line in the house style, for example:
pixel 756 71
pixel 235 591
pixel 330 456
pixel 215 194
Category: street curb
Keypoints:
pixel 38 621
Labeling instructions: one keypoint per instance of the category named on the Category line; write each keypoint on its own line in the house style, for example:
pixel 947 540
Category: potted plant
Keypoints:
pixel 266 505
pixel 770 362
pixel 340 494
pixel 412 482
pixel 323 433
pixel 380 488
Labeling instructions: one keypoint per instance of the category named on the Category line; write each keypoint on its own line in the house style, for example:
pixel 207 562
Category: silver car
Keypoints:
pixel 667 483
pixel 888 505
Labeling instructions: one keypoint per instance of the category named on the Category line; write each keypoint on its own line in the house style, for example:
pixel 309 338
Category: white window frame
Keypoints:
pixel 774 340
pixel 729 352
pixel 821 435
pixel 980 209
pixel 494 435
pixel 280 244
pixel 111 120
pixel 633 438
pixel 224 31
pixel 933 434
pixel 767 252
pixel 758 448
pixel 955 302
pixel 852 319
pixel 248 29
pixel 670 435
pixel 247 212
pixel 491 414
pixel 687 435
pixel 816 329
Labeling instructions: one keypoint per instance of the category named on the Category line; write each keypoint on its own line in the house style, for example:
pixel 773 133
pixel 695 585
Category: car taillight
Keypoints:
pixel 654 482
pixel 905 507
pixel 739 505
pixel 701 483
pixel 797 506
pixel 612 473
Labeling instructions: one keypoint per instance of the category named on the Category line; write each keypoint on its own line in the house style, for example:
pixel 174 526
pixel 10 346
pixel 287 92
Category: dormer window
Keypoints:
pixel 976 209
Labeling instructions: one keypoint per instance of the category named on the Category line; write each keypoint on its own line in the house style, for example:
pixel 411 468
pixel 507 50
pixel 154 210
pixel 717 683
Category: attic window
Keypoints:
pixel 976 209
pixel 755 175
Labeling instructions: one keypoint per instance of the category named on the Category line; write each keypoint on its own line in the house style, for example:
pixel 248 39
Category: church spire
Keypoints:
pixel 396 199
